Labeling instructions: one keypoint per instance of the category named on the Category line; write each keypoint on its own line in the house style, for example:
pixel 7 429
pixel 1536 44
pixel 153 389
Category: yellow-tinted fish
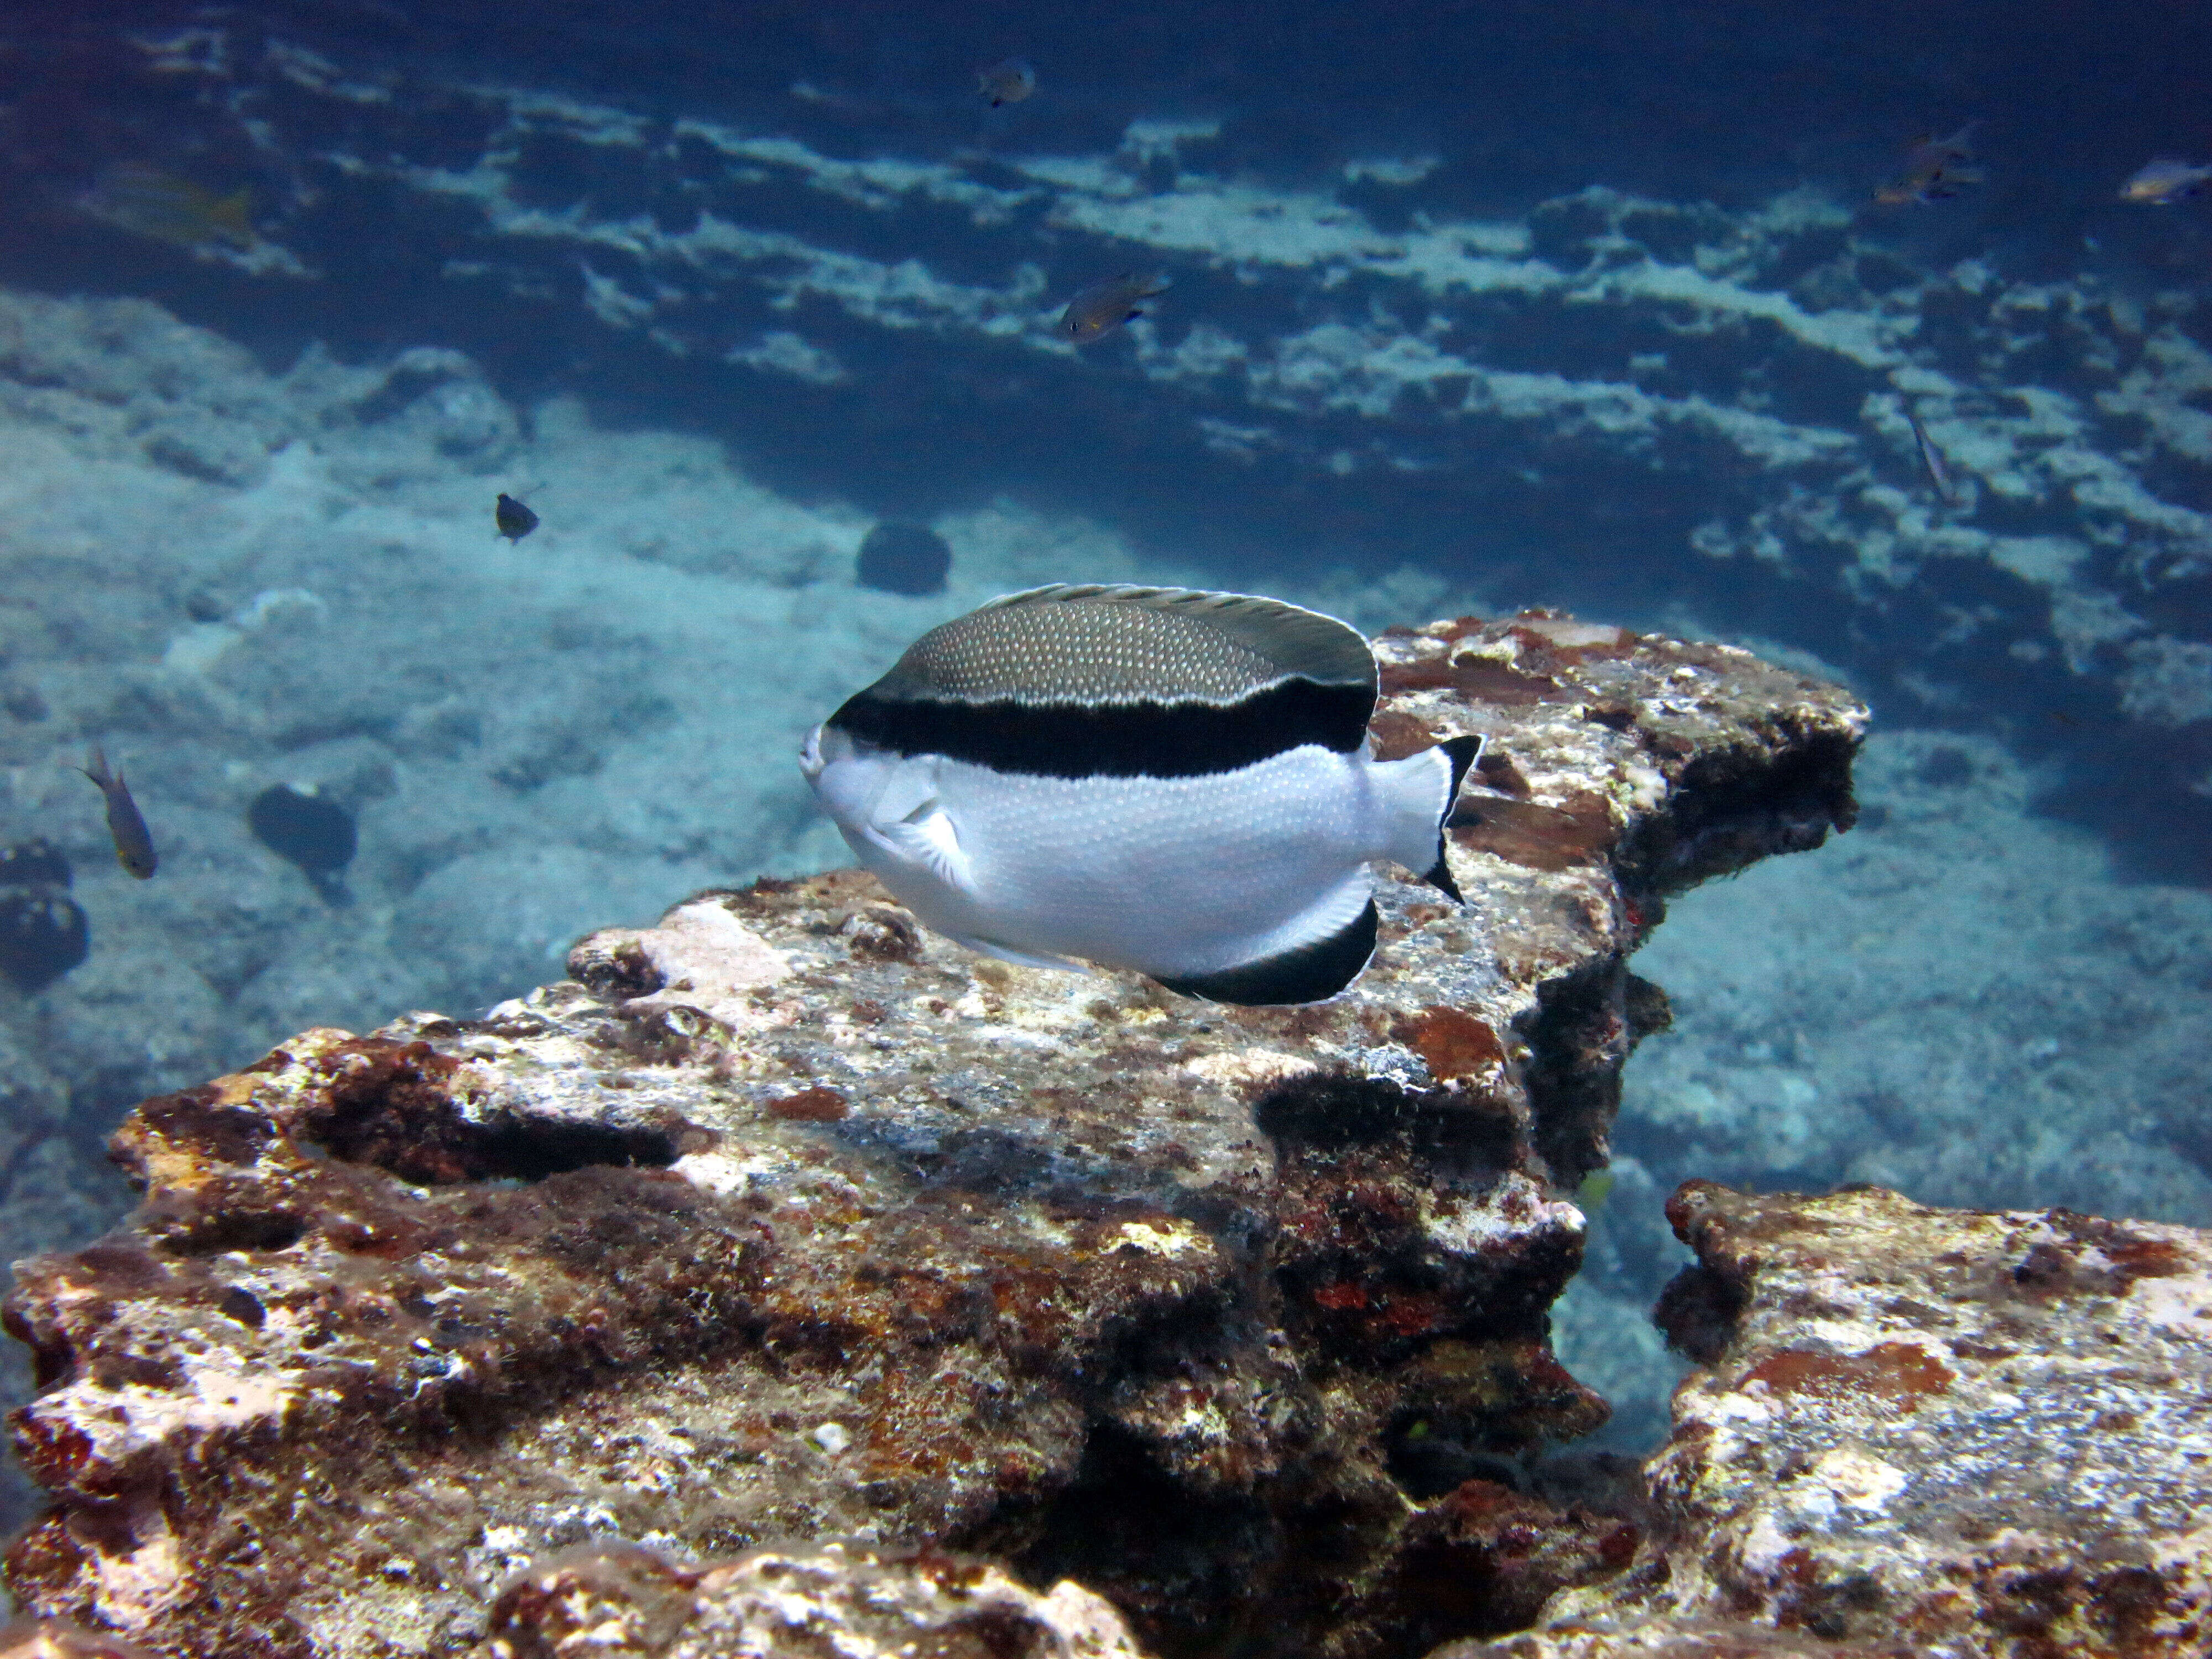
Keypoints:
pixel 1935 169
pixel 134 843
pixel 1105 306
pixel 148 202
pixel 1595 1189
pixel 1007 82
pixel 2164 180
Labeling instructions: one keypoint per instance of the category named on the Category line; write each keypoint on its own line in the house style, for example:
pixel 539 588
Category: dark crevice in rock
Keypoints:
pixel 1428 1464
pixel 619 973
pixel 1579 1035
pixel 1471 1408
pixel 1698 1312
pixel 1338 1112
pixel 1177 1563
pixel 389 1104
pixel 531 1149
pixel 53 1356
pixel 1364 1168
pixel 1733 807
pixel 1585 1026
pixel 192 1118
pixel 1483 1561
pixel 212 1233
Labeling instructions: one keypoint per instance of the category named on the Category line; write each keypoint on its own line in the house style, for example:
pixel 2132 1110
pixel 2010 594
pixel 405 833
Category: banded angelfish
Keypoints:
pixel 1149 778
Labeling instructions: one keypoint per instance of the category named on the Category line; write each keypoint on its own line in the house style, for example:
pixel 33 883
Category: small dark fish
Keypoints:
pixel 134 845
pixel 1007 82
pixel 2164 180
pixel 148 202
pixel 1105 306
pixel 515 521
pixel 1939 470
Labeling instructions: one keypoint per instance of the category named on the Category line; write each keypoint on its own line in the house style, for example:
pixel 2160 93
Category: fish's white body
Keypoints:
pixel 1172 876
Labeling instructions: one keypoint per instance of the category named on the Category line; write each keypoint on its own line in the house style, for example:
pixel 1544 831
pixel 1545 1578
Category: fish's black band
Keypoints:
pixel 1185 738
pixel 1462 752
pixel 1311 973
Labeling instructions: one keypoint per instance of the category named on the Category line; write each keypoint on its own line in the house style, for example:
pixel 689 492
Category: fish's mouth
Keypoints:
pixel 824 747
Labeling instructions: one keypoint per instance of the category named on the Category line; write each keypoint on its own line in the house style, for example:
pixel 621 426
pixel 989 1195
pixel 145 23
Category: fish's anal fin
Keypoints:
pixel 1464 752
pixel 1308 973
pixel 991 947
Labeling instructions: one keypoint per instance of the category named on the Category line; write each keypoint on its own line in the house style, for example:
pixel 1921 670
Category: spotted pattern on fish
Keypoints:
pixel 1119 682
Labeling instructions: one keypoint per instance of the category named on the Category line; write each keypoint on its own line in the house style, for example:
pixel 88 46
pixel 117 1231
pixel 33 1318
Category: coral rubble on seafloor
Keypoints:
pixel 1920 1432
pixel 788 1218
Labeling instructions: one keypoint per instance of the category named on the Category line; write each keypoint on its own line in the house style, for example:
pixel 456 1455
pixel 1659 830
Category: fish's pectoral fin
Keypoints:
pixel 927 838
pixel 991 947
pixel 907 819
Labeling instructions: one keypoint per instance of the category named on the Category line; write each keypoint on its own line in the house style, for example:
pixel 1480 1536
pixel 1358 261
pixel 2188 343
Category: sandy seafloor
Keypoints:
pixel 233 577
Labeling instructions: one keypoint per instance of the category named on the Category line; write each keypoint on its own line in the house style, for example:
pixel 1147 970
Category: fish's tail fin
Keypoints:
pixel 95 767
pixel 1419 793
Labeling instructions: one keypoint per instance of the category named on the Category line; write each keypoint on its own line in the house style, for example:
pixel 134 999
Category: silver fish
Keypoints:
pixel 1105 306
pixel 1936 168
pixel 1156 779
pixel 134 843
pixel 1007 82
pixel 1939 470
pixel 2164 180
pixel 148 202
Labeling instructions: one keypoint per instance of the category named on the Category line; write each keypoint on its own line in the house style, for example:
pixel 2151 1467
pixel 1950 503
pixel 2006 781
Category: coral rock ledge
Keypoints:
pixel 786 1220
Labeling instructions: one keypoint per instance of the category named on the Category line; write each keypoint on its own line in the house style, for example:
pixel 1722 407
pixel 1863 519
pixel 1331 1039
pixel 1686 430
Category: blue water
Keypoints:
pixel 1470 307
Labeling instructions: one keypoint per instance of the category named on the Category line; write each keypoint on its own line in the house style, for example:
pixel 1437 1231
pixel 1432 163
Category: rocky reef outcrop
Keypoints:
pixel 618 1600
pixel 1920 1432
pixel 785 1219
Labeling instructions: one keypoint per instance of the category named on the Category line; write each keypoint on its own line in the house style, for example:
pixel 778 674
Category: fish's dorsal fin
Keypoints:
pixel 1293 639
